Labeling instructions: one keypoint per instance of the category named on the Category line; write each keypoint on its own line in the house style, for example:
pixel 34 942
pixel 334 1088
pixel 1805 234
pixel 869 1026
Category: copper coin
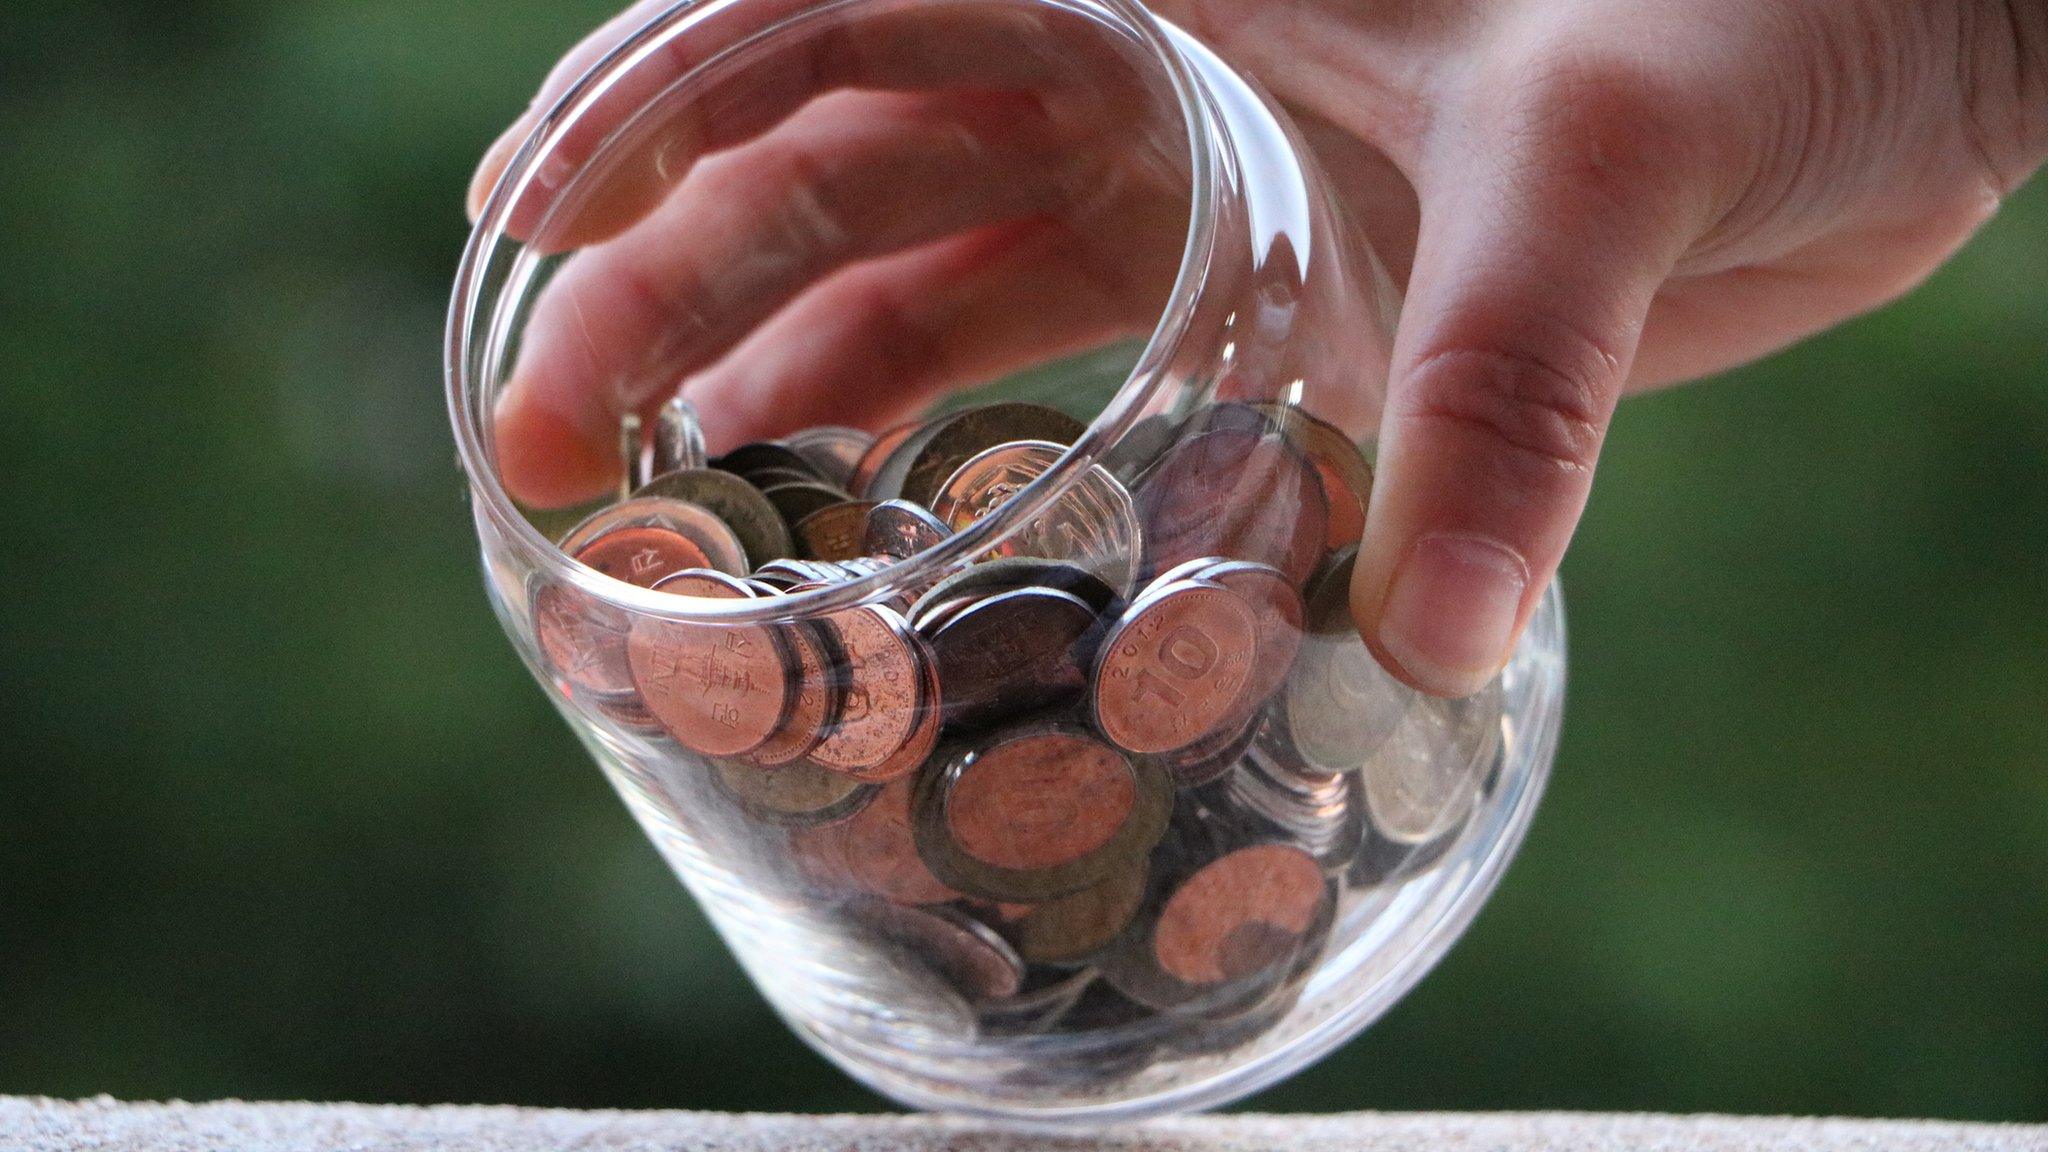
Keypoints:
pixel 1073 928
pixel 923 739
pixel 1174 667
pixel 1040 801
pixel 1046 811
pixel 836 532
pixel 882 671
pixel 798 794
pixel 738 504
pixel 1009 653
pixel 878 453
pixel 718 689
pixel 880 850
pixel 1341 469
pixel 900 529
pixel 967 954
pixel 1238 915
pixel 957 438
pixel 642 556
pixel 815 708
pixel 1237 494
pixel 1278 607
pixel 583 639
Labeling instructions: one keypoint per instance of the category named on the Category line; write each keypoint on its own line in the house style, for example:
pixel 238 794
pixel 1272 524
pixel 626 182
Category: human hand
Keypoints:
pixel 1586 197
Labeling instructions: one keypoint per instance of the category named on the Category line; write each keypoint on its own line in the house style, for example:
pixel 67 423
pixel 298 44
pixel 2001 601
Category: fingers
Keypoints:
pixel 1544 238
pixel 922 49
pixel 877 343
pixel 855 176
pixel 874 343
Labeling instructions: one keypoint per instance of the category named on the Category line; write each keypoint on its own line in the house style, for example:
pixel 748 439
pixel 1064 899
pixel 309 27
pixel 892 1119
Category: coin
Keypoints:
pixel 816 706
pixel 1046 995
pixel 1425 776
pixel 880 850
pixel 1011 572
pixel 1037 813
pixel 957 438
pixel 799 794
pixel 678 438
pixel 1173 667
pixel 763 454
pixel 718 689
pixel 965 953
pixel 1211 757
pixel 1011 652
pixel 882 672
pixel 862 483
pixel 629 454
pixel 1093 524
pixel 836 532
pixel 1279 611
pixel 1039 801
pixel 1341 469
pixel 751 517
pixel 1239 915
pixel 1339 704
pixel 1074 928
pixel 1140 446
pixel 1321 813
pixel 833 451
pixel 583 639
pixel 796 501
pixel 1237 494
pixel 923 738
pixel 900 529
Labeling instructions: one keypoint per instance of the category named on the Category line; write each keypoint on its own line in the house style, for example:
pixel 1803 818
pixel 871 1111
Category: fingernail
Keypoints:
pixel 1450 616
pixel 492 166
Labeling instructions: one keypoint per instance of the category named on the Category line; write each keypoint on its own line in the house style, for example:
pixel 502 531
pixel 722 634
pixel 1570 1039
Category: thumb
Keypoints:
pixel 1538 256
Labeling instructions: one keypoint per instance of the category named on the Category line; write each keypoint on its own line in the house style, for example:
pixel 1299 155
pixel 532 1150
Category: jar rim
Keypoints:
pixel 467 324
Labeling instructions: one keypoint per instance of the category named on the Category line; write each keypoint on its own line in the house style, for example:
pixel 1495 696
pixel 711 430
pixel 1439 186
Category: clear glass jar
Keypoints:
pixel 1184 848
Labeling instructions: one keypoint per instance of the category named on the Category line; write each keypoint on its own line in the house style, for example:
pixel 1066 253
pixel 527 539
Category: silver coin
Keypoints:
pixel 1093 525
pixel 832 450
pixel 899 529
pixel 629 455
pixel 1339 704
pixel 958 437
pixel 678 438
pixel 752 518
pixel 1424 778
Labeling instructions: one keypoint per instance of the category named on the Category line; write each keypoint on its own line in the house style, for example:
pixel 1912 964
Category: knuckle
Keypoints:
pixel 1543 412
pixel 799 190
pixel 1606 121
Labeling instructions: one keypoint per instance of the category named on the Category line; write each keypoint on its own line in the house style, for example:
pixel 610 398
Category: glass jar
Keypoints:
pixel 1061 785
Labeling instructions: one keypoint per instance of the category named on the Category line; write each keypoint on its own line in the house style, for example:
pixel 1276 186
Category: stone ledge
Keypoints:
pixel 38 1125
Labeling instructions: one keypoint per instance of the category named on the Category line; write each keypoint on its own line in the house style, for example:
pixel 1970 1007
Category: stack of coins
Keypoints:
pixel 1125 770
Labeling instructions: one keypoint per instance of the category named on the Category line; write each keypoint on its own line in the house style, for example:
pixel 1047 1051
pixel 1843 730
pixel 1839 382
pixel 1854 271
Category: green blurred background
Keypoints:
pixel 282 817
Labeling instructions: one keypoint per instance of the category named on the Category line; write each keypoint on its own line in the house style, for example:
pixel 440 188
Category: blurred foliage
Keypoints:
pixel 282 817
